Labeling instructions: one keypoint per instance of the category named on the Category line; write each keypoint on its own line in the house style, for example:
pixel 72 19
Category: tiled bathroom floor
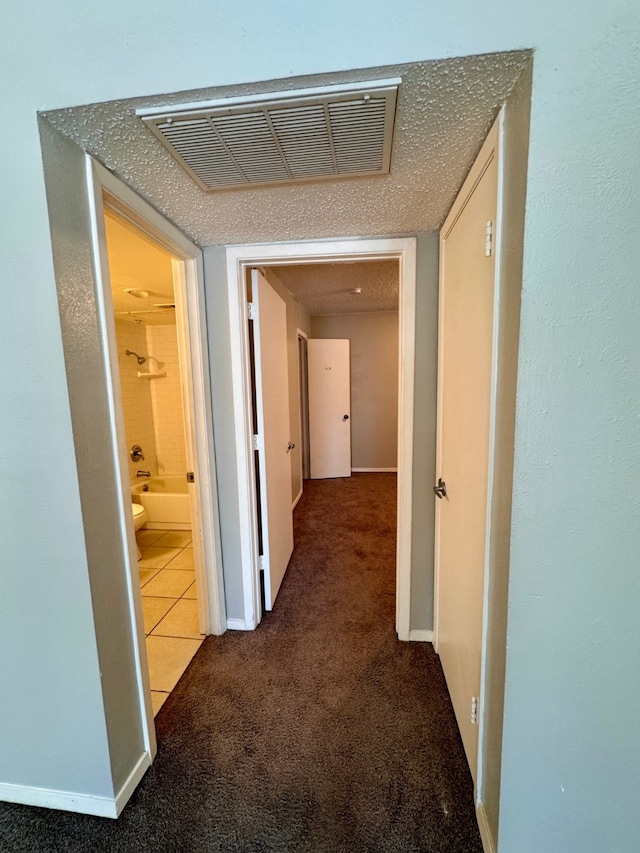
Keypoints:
pixel 169 605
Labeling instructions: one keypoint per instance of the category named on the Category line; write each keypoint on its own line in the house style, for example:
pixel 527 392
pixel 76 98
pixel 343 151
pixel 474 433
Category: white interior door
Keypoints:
pixel 272 410
pixel 465 377
pixel 329 371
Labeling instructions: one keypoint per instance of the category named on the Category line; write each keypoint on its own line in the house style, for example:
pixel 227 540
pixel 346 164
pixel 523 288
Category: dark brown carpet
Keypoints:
pixel 317 733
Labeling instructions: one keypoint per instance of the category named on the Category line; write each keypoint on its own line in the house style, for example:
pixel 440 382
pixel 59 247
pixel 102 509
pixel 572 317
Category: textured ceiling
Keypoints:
pixel 444 111
pixel 325 288
pixel 137 262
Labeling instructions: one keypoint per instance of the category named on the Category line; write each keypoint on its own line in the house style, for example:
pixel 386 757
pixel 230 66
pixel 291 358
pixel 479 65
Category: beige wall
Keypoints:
pixel 374 383
pixel 297 318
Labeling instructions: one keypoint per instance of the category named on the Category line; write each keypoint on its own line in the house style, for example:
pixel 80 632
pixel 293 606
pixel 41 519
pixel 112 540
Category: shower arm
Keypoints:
pixel 141 359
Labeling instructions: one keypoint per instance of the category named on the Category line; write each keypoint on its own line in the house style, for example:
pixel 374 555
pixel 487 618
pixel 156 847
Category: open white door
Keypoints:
pixel 329 371
pixel 269 315
pixel 467 283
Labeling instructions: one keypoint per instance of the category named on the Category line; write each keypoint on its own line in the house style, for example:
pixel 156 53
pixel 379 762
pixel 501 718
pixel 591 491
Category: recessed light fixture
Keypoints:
pixel 139 294
pixel 356 290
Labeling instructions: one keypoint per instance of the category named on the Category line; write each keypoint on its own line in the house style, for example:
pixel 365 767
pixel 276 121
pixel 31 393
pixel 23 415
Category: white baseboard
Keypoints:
pixel 237 625
pixel 68 801
pixel 64 800
pixel 122 798
pixel 374 470
pixel 295 503
pixel 416 636
pixel 488 843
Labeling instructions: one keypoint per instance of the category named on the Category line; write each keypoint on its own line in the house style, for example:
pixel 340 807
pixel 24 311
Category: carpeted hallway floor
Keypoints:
pixel 317 733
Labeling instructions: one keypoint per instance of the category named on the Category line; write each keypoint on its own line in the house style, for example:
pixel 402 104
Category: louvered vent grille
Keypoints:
pixel 290 137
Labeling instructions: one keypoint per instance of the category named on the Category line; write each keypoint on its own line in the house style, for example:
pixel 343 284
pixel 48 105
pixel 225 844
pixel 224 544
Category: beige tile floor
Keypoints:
pixel 169 606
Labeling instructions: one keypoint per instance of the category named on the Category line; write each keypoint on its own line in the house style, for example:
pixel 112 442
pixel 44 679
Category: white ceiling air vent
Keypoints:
pixel 282 137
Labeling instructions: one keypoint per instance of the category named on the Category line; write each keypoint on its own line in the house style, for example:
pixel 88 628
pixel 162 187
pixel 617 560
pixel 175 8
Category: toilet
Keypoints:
pixel 139 519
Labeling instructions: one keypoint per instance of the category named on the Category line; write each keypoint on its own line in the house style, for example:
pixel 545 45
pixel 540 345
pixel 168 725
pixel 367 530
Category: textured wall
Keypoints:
pixel 90 729
pixel 374 383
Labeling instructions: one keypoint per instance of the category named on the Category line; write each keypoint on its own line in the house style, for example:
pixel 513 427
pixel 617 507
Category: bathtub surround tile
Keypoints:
pixel 146 575
pixel 175 538
pixel 158 698
pixel 155 557
pixel 154 609
pixel 183 560
pixel 191 592
pixel 136 395
pixel 168 584
pixel 180 621
pixel 168 658
pixel 166 399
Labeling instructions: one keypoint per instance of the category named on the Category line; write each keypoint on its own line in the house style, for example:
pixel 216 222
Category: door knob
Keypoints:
pixel 290 446
pixel 345 417
pixel 441 489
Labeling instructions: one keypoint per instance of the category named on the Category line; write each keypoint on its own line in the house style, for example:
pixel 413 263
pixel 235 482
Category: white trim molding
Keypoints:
pixel 374 470
pixel 189 287
pixel 418 636
pixel 295 503
pixel 104 190
pixel 69 801
pixel 123 795
pixel 488 843
pixel 64 800
pixel 239 259
pixel 239 625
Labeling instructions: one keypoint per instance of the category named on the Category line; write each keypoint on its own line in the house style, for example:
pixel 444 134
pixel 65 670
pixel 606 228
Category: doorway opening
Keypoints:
pixel 240 259
pixel 149 294
pixel 155 403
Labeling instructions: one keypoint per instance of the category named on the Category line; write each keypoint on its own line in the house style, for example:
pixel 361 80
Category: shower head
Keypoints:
pixel 141 359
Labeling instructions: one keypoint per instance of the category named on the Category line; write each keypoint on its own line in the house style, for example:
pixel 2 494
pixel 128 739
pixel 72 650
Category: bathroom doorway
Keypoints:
pixel 153 406
pixel 152 318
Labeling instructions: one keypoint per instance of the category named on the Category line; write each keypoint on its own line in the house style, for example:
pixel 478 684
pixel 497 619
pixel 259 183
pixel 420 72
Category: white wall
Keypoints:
pixel 569 782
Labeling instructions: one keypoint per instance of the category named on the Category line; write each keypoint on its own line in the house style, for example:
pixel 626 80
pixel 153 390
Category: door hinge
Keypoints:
pixel 474 709
pixel 488 239
pixel 253 311
pixel 191 477
pixel 261 562
pixel 257 442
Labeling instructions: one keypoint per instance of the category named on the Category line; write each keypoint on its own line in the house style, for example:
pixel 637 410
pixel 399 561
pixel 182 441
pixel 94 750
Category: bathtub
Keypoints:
pixel 166 500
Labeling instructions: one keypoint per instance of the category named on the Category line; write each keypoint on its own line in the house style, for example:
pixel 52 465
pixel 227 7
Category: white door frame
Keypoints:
pixel 239 259
pixel 303 395
pixel 105 190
